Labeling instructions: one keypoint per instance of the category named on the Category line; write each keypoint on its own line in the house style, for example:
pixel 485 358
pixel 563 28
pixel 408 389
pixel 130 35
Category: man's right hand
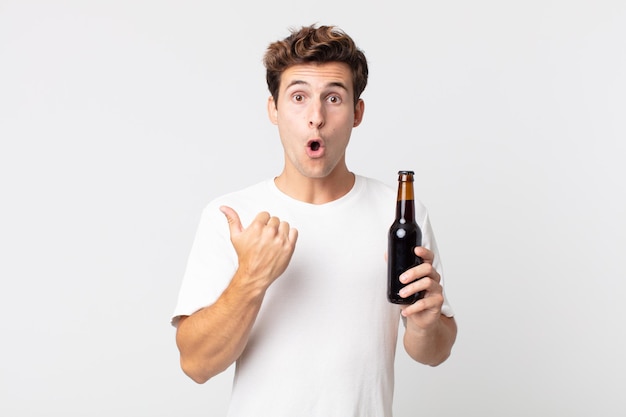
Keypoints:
pixel 264 248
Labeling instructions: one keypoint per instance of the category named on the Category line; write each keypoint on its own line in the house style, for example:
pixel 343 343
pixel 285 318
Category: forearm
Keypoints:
pixel 430 346
pixel 211 339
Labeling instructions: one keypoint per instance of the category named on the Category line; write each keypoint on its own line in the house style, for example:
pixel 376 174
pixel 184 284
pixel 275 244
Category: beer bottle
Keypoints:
pixel 404 236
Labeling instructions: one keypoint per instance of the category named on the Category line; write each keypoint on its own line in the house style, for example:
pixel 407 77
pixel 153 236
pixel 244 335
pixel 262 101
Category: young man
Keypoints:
pixel 287 278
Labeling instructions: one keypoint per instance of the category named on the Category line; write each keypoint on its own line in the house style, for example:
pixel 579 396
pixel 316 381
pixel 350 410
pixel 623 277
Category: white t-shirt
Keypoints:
pixel 324 341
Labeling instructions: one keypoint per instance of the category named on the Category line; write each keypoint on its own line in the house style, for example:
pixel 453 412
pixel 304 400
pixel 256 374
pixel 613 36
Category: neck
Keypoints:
pixel 315 190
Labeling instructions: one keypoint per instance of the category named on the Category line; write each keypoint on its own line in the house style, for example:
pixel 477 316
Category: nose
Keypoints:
pixel 316 116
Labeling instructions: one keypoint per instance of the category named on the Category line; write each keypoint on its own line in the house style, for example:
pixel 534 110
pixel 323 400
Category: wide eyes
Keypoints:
pixel 333 99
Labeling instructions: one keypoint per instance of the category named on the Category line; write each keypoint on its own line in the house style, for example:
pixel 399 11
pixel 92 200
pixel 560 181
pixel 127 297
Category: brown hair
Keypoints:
pixel 311 44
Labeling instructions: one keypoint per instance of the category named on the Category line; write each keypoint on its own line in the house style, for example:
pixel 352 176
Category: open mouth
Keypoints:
pixel 315 148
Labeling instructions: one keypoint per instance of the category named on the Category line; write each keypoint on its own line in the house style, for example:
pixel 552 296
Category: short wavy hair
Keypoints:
pixel 311 44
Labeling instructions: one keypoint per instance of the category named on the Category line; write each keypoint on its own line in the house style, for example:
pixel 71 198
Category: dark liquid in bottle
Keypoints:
pixel 404 236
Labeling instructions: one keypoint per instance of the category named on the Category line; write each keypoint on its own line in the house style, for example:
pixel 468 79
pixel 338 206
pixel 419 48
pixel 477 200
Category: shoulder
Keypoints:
pixel 377 191
pixel 375 187
pixel 246 201
pixel 375 197
pixel 248 193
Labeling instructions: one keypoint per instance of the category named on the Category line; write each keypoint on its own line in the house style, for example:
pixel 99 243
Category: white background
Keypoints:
pixel 120 120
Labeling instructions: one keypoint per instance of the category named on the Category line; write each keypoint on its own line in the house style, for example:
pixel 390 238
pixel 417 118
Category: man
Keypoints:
pixel 287 278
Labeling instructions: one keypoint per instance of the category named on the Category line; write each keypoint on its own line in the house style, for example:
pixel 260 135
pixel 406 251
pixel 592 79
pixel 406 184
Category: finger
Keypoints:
pixel 431 302
pixel 274 222
pixel 293 235
pixel 414 287
pixel 286 230
pixel 261 219
pixel 234 224
pixel 419 271
pixel 283 228
pixel 427 255
pixel 425 269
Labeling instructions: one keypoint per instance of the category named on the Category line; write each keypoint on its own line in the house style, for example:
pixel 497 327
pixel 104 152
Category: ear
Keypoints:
pixel 359 109
pixel 272 111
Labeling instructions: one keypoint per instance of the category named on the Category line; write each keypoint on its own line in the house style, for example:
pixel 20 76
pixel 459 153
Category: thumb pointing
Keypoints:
pixel 234 223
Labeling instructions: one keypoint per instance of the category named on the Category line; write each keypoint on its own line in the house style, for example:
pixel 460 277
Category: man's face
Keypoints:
pixel 315 115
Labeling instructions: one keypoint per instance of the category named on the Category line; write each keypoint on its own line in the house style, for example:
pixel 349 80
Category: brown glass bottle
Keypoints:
pixel 404 236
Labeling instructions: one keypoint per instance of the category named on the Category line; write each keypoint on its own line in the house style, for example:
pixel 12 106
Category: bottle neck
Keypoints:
pixel 405 208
